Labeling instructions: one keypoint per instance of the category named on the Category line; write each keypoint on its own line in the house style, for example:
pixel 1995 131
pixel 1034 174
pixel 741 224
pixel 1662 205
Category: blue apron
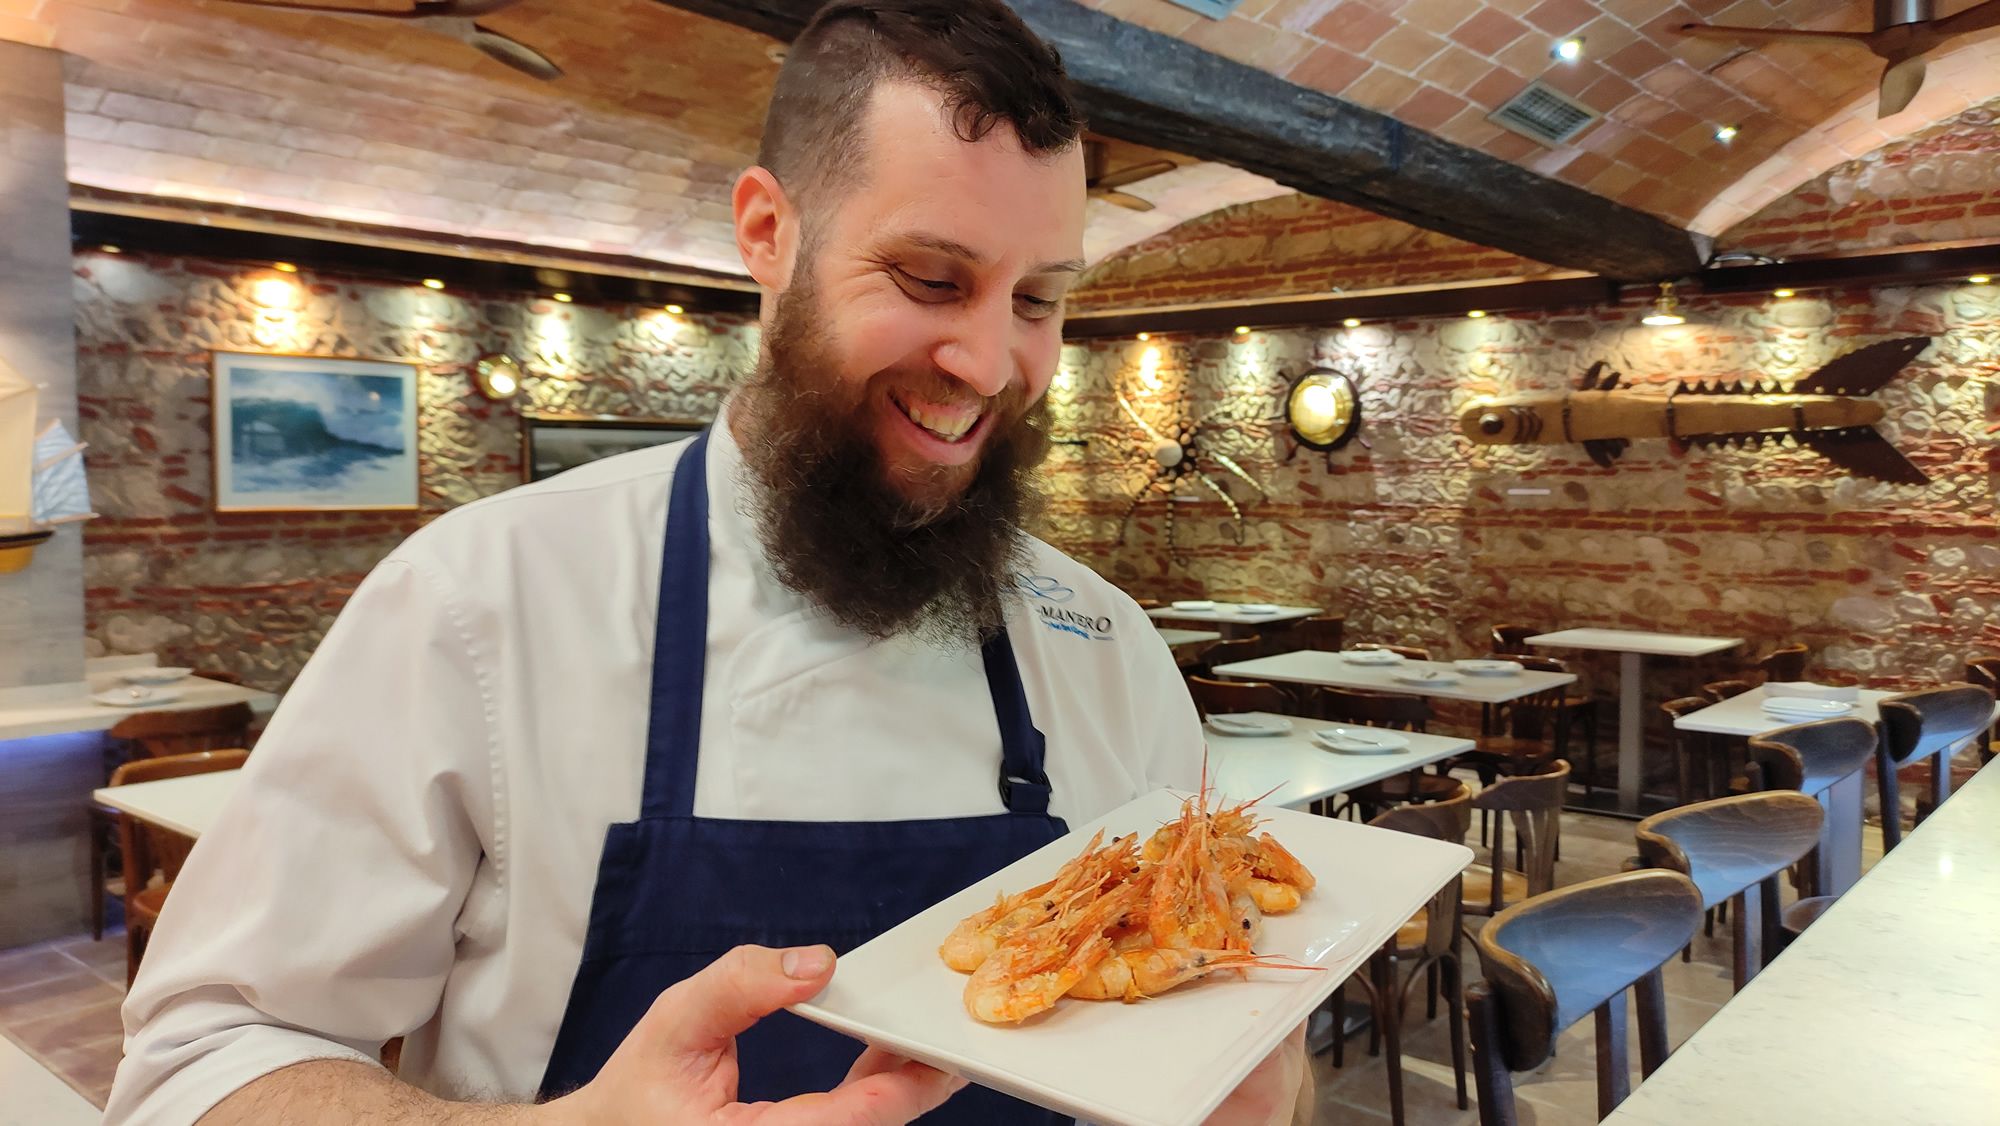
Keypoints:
pixel 675 891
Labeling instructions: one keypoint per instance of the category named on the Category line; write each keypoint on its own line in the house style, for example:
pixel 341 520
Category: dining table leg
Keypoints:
pixel 1631 729
pixel 1840 835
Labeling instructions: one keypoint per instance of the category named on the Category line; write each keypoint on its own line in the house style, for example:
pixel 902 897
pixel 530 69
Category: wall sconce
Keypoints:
pixel 1149 368
pixel 497 377
pixel 1322 409
pixel 1666 308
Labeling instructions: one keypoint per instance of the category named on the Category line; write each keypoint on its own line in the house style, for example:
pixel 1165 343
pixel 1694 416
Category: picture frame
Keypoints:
pixel 301 433
pixel 552 442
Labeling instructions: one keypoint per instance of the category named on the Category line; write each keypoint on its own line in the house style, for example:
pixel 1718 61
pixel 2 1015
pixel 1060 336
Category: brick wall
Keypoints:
pixel 1288 245
pixel 252 593
pixel 1416 539
pixel 1939 185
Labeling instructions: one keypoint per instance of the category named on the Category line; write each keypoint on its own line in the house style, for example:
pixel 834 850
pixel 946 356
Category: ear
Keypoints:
pixel 767 228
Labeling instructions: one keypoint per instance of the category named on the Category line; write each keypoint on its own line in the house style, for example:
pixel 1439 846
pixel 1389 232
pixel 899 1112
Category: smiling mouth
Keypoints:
pixel 946 423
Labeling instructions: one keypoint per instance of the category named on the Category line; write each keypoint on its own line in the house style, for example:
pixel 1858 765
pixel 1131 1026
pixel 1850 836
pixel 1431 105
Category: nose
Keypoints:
pixel 979 351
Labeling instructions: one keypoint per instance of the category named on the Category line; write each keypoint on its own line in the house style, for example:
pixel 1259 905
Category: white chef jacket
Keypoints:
pixel 416 839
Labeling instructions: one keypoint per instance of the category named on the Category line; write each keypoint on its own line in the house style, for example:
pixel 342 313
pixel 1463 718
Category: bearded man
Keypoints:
pixel 591 778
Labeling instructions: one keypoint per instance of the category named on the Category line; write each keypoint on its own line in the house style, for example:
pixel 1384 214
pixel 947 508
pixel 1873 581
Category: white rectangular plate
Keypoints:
pixel 1165 1061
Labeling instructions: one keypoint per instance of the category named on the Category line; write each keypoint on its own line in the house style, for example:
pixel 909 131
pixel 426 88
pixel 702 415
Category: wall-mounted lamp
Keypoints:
pixel 1351 322
pixel 497 377
pixel 284 267
pixel 1242 330
pixel 1666 308
pixel 433 283
pixel 562 297
pixel 110 249
pixel 1981 279
pixel 675 310
pixel 1782 293
pixel 1475 314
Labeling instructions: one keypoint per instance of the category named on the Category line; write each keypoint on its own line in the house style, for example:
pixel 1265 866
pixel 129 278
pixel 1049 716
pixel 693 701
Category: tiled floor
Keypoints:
pixel 59 1001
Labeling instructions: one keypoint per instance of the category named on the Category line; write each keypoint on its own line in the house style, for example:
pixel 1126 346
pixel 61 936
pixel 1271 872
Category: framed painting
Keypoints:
pixel 299 433
pixel 551 443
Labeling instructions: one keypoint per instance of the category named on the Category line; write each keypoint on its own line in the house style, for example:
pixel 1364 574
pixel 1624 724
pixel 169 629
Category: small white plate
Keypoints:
pixel 1483 667
pixel 137 697
pixel 154 675
pixel 1255 608
pixel 1427 676
pixel 1361 740
pixel 1195 604
pixel 1800 706
pixel 1164 1061
pixel 1371 657
pixel 1249 723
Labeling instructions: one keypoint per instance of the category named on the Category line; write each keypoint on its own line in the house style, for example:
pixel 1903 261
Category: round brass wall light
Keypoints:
pixel 497 376
pixel 1322 409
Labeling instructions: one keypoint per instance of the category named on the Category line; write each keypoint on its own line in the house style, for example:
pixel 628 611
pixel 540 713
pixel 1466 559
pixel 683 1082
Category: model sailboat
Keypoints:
pixel 41 475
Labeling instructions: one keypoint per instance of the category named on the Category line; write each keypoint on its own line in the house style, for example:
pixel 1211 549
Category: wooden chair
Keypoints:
pixel 1810 758
pixel 1428 944
pixel 1985 672
pixel 1730 847
pixel 1533 802
pixel 1510 638
pixel 1572 953
pixel 1149 603
pixel 1522 736
pixel 1719 690
pixel 1228 697
pixel 1695 754
pixel 151 850
pixel 1381 709
pixel 1232 650
pixel 1322 633
pixel 1932 724
pixel 1784 664
pixel 1407 652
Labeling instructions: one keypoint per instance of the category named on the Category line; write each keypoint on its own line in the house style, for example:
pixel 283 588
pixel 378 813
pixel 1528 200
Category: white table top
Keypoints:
pixel 1886 1010
pixel 1297 771
pixel 35 1097
pixel 1745 715
pixel 1311 666
pixel 1635 641
pixel 187 805
pixel 58 709
pixel 1228 612
pixel 1175 637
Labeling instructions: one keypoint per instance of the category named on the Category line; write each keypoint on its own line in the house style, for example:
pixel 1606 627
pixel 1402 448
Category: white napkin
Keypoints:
pixel 1807 690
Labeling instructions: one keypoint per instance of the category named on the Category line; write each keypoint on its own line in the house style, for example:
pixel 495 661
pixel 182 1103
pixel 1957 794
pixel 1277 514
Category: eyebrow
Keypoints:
pixel 959 250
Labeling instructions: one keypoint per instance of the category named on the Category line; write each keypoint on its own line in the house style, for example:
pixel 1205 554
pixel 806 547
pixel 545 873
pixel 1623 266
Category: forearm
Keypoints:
pixel 344 1091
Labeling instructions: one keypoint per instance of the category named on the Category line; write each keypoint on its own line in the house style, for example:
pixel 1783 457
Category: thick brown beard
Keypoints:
pixel 838 532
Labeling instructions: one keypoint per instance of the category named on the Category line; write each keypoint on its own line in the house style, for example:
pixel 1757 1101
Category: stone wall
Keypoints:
pixel 1416 538
pixel 252 593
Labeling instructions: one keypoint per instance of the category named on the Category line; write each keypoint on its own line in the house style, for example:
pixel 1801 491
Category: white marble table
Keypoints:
pixel 1633 647
pixel 187 805
pixel 36 1097
pixel 1312 666
pixel 1233 620
pixel 1886 1010
pixel 1177 637
pixel 57 709
pixel 1298 772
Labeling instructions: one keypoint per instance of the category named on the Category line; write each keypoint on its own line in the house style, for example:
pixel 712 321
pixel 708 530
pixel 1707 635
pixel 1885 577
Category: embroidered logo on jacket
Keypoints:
pixel 1048 593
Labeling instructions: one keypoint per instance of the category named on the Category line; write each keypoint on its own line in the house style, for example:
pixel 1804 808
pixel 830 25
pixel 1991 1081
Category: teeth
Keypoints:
pixel 948 423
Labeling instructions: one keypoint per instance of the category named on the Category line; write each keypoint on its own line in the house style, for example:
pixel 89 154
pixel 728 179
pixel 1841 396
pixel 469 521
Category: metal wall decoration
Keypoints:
pixel 1177 456
pixel 1322 412
pixel 1821 412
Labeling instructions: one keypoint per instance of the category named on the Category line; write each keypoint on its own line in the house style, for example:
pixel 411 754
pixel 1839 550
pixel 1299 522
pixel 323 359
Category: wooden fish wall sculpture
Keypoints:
pixel 1821 412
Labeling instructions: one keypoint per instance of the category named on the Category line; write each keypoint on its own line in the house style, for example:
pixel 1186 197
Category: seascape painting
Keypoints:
pixel 305 432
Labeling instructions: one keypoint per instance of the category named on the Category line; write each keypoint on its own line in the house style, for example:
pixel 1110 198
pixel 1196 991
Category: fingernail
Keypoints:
pixel 806 962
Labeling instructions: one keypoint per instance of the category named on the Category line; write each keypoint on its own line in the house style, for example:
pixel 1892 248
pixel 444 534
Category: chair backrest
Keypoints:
pixel 1408 713
pixel 1920 724
pixel 1552 960
pixel 1323 633
pixel 147 847
pixel 1533 802
pixel 1445 820
pixel 1532 716
pixel 181 732
pixel 1783 664
pixel 1984 672
pixel 1236 649
pixel 1509 637
pixel 1719 690
pixel 1809 757
pixel 1407 652
pixel 1149 603
pixel 1732 843
pixel 1227 697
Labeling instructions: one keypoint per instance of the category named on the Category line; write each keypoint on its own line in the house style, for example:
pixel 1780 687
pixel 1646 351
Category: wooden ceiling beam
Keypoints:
pixel 1153 89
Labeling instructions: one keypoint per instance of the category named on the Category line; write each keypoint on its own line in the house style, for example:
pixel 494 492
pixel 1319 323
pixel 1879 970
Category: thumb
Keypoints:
pixel 705 1012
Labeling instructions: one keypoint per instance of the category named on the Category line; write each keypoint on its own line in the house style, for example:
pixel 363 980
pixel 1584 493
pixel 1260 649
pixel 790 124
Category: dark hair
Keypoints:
pixel 977 53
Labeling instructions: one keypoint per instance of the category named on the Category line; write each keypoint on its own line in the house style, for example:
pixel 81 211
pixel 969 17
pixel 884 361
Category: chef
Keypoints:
pixel 593 777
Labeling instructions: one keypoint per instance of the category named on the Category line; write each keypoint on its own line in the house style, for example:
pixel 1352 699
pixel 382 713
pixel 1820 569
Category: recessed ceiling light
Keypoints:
pixel 1784 293
pixel 433 283
pixel 1145 336
pixel 562 297
pixel 110 249
pixel 1352 322
pixel 1475 314
pixel 284 267
pixel 1242 330
pixel 1568 50
pixel 1980 279
pixel 675 310
pixel 1725 133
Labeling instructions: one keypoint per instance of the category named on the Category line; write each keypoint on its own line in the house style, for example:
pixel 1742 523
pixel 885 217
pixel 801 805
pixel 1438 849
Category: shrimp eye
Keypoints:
pixel 1491 423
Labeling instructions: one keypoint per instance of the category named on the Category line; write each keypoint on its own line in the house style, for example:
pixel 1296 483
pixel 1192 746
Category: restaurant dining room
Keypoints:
pixel 1128 562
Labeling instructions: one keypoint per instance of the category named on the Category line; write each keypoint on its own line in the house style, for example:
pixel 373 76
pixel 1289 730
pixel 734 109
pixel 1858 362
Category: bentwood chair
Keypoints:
pixel 1579 707
pixel 1731 847
pixel 1381 709
pixel 154 852
pixel 1511 638
pixel 1810 758
pixel 1229 697
pixel 1985 672
pixel 1533 802
pixel 1232 650
pixel 1323 633
pixel 1695 758
pixel 1719 690
pixel 1932 724
pixel 1524 735
pixel 1407 652
pixel 1428 944
pixel 1784 664
pixel 1555 959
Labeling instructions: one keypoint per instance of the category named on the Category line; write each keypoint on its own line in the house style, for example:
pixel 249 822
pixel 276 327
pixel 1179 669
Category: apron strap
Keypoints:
pixel 1024 786
pixel 680 642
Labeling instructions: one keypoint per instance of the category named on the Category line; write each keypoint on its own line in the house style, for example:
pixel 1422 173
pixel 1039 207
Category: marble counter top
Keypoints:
pixel 1887 1010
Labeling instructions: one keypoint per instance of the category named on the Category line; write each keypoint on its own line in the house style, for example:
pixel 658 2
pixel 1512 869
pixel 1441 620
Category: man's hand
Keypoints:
pixel 1277 1092
pixel 679 1063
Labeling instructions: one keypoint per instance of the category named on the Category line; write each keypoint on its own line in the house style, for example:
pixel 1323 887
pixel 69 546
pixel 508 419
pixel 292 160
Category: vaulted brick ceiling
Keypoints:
pixel 374 121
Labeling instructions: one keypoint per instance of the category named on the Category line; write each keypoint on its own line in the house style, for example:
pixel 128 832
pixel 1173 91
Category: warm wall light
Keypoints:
pixel 274 293
pixel 1980 279
pixel 284 267
pixel 1568 50
pixel 1784 293
pixel 1475 314
pixel 433 283
pixel 1666 308
pixel 110 249
pixel 1149 369
pixel 562 297
pixel 1725 133
pixel 1145 336
pixel 497 376
pixel 675 310
pixel 1352 322
pixel 1242 330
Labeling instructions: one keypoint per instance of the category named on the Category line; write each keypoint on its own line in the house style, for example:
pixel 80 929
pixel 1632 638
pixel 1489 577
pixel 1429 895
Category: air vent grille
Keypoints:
pixel 1213 9
pixel 1544 115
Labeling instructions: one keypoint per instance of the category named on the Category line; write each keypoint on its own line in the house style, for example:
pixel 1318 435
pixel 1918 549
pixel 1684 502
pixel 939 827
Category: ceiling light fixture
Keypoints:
pixel 562 297
pixel 1725 133
pixel 1475 314
pixel 1145 336
pixel 433 283
pixel 1784 293
pixel 1666 308
pixel 1980 279
pixel 1568 50
pixel 284 267
pixel 1242 330
pixel 110 249
pixel 675 310
pixel 1352 322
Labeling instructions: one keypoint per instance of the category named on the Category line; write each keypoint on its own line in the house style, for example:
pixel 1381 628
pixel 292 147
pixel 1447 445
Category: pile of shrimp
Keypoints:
pixel 1123 921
